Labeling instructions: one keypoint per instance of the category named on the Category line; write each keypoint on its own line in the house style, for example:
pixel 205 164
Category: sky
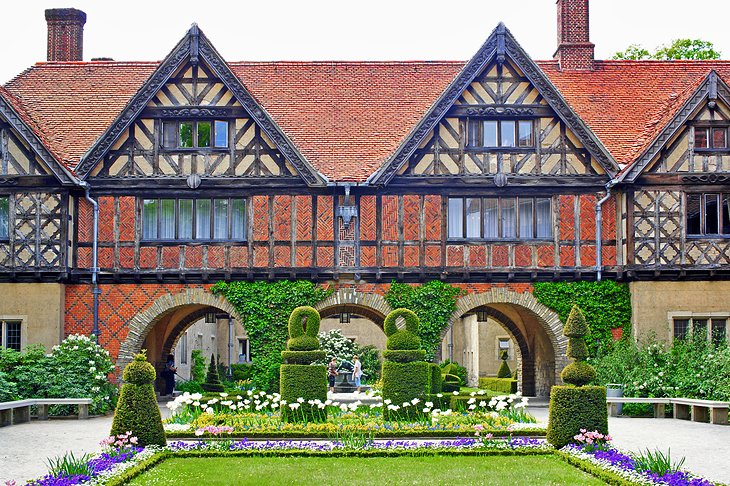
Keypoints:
pixel 379 30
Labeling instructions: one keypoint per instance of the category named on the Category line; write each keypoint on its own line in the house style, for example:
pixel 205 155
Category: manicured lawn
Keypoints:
pixel 512 470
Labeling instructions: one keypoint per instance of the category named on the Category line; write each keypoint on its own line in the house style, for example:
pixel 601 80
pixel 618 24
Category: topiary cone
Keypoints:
pixel 137 409
pixel 576 325
pixel 212 380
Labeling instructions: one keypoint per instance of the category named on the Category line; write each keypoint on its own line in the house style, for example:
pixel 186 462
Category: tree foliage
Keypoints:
pixel 264 308
pixel 433 303
pixel 696 49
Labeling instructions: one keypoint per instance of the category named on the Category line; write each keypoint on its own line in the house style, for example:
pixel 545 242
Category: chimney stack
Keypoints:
pixel 575 51
pixel 65 34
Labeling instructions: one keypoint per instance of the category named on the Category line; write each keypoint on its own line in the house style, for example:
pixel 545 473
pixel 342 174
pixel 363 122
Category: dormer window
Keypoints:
pixel 500 133
pixel 711 137
pixel 187 134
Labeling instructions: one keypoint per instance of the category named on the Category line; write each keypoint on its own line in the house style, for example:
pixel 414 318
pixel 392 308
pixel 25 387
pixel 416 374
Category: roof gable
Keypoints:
pixel 499 46
pixel 193 48
pixel 711 89
pixel 12 113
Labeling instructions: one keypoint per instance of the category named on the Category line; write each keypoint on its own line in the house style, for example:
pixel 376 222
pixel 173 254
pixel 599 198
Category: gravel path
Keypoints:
pixel 25 448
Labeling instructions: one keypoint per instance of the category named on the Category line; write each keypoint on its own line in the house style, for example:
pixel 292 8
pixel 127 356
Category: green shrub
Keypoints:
pixel 504 371
pixel 405 338
pixel 454 368
pixel 303 337
pixel 434 382
pixel 405 355
pixel 137 410
pixel 241 372
pixel 303 357
pixel 574 408
pixel 371 363
pixel 451 379
pixel 402 382
pixel 303 381
pixel 578 373
pixel 8 389
pixel 197 370
pixel 189 386
pixel 501 385
pixel 212 380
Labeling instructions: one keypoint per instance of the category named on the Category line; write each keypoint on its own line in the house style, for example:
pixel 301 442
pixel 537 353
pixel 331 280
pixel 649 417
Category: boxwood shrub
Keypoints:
pixel 303 357
pixel 574 408
pixel 434 381
pixel 137 409
pixel 308 382
pixel 403 382
pixel 404 355
pixel 502 385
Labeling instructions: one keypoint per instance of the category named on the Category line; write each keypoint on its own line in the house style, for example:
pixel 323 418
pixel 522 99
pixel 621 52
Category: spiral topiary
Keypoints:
pixel 299 378
pixel 576 406
pixel 212 380
pixel 137 409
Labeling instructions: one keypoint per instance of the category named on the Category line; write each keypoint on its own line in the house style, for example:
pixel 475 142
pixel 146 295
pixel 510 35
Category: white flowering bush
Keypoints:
pixel 335 344
pixel 81 369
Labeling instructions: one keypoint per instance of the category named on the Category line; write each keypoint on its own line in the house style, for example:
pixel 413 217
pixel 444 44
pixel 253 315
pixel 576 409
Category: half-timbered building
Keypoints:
pixel 128 188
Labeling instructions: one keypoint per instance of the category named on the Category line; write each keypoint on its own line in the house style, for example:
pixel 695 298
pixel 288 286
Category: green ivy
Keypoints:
pixel 605 305
pixel 264 308
pixel 433 303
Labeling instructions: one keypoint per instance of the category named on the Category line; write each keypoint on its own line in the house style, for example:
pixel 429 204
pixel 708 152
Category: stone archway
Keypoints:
pixel 142 323
pixel 371 306
pixel 537 374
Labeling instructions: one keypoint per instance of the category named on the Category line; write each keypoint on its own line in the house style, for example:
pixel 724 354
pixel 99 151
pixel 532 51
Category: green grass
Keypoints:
pixel 461 470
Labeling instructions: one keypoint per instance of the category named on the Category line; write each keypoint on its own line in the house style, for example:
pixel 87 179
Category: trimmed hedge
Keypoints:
pixel 434 381
pixel 403 382
pixel 308 382
pixel 574 408
pixel 502 385
pixel 137 409
pixel 404 355
pixel 303 357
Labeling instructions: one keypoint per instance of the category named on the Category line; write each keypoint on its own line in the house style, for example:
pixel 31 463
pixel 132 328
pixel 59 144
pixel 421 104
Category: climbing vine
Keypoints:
pixel 433 303
pixel 606 305
pixel 264 308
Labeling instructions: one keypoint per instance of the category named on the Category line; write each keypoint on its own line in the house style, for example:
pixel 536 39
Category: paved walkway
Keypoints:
pixel 25 448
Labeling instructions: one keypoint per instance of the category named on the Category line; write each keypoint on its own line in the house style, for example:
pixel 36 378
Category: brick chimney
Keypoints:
pixel 65 34
pixel 575 51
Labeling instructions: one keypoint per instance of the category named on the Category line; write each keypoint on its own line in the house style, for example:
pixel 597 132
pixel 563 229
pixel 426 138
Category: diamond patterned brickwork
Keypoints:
pixel 193 257
pixel 500 256
pixel 389 218
pixel 587 205
pixel 523 256
pixel 477 256
pixel 367 218
pixel 411 212
pixel 432 217
pixel 304 218
pixel 325 220
pixel 454 256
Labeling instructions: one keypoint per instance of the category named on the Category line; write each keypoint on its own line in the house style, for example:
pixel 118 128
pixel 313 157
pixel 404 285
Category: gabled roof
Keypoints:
pixel 12 110
pixel 499 46
pixel 193 48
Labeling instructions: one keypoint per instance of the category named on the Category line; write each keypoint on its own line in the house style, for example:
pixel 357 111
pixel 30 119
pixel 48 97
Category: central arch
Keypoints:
pixel 540 367
pixel 371 306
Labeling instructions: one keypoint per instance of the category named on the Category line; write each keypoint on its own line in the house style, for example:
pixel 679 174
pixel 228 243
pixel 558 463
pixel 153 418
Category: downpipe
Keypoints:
pixel 599 229
pixel 95 290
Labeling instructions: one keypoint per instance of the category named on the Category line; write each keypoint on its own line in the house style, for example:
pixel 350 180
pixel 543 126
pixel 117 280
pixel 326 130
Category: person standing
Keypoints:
pixel 357 371
pixel 331 373
pixel 170 375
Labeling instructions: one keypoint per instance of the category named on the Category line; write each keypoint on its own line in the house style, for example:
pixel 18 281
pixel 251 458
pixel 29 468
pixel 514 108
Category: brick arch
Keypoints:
pixel 371 306
pixel 143 322
pixel 548 320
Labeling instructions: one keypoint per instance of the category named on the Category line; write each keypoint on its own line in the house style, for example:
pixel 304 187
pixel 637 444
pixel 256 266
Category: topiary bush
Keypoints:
pixel 212 380
pixel 575 407
pixel 501 385
pixel 451 376
pixel 405 374
pixel 434 381
pixel 504 371
pixel 301 381
pixel 137 409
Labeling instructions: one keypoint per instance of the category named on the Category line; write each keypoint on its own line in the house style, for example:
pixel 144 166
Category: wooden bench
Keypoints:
pixel 715 412
pixel 18 411
pixel 702 410
pixel 658 404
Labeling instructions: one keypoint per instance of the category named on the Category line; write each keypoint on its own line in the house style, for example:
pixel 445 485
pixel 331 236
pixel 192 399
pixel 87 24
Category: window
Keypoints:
pixel 503 347
pixel 714 328
pixel 719 331
pixel 193 219
pixel 183 348
pixel 10 334
pixel 681 326
pixel 500 133
pixel 708 214
pixel 506 218
pixel 4 217
pixel 711 137
pixel 244 351
pixel 195 134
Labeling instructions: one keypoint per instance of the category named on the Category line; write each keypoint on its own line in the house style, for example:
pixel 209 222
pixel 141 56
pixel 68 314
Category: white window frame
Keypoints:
pixel 691 316
pixel 23 329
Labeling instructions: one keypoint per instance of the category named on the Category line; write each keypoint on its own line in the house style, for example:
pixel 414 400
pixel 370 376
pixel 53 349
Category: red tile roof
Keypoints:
pixel 347 118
